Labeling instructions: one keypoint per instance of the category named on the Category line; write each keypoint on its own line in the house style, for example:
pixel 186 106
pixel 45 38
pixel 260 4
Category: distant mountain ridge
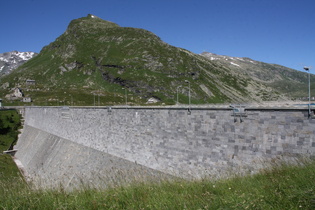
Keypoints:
pixel 280 78
pixel 12 60
pixel 130 65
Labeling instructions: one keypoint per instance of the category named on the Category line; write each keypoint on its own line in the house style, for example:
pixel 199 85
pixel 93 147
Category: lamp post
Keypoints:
pixel 188 92
pixel 309 91
pixel 99 92
pixel 71 104
pixel 177 93
pixel 125 95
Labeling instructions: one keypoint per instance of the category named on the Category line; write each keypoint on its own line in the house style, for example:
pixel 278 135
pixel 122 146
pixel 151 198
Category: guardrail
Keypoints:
pixel 181 107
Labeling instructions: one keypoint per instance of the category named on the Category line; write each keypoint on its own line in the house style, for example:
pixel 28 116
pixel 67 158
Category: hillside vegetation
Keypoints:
pixel 10 123
pixel 282 187
pixel 98 57
pixel 284 80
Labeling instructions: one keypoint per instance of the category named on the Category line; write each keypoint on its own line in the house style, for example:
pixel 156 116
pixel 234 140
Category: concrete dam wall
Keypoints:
pixel 68 145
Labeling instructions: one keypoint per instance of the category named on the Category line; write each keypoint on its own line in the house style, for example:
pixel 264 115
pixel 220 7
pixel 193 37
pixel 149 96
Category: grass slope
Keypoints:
pixel 10 122
pixel 10 176
pixel 282 187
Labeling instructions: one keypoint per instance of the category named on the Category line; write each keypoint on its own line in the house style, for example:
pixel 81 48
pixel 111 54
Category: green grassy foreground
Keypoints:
pixel 280 187
pixel 285 187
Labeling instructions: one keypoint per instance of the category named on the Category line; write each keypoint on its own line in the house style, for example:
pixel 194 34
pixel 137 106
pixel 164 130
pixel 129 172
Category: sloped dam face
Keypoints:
pixel 62 146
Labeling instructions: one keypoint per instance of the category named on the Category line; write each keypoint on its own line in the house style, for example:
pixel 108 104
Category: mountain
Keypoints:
pixel 11 60
pixel 284 80
pixel 98 62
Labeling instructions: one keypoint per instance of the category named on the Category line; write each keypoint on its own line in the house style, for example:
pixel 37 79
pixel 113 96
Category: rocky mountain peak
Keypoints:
pixel 11 60
pixel 89 24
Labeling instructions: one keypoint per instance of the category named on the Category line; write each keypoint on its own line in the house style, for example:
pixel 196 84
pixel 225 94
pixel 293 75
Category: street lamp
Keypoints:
pixel 71 104
pixel 99 92
pixel 125 94
pixel 188 93
pixel 177 92
pixel 309 91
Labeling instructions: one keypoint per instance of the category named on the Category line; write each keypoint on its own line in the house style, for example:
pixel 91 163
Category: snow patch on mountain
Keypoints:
pixel 3 59
pixel 235 64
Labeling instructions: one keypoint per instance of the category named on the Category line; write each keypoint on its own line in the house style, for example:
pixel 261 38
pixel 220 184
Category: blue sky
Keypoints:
pixel 272 31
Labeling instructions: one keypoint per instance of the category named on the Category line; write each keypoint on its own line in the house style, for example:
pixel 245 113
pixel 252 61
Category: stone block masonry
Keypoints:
pixel 206 142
